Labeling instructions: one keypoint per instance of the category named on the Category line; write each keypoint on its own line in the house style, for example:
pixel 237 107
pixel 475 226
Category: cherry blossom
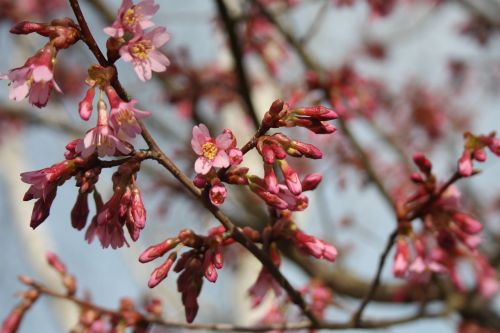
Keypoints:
pixel 143 52
pixel 35 79
pixel 132 18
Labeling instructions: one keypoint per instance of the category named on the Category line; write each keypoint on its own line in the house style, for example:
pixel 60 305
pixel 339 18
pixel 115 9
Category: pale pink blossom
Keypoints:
pixel 123 115
pixel 143 52
pixel 212 152
pixel 132 18
pixel 35 79
pixel 102 138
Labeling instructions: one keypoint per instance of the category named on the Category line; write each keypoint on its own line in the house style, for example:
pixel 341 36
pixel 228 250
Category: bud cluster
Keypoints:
pixel 449 235
pixel 203 260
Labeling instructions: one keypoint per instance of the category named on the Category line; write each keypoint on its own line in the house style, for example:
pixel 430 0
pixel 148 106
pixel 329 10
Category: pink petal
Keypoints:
pixel 202 165
pixel 224 141
pixel 221 160
pixel 42 74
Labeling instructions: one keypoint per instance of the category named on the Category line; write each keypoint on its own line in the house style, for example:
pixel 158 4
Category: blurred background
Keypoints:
pixel 412 78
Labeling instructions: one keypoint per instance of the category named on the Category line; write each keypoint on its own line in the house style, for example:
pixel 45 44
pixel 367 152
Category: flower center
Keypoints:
pixel 209 150
pixel 129 17
pixel 125 116
pixel 141 50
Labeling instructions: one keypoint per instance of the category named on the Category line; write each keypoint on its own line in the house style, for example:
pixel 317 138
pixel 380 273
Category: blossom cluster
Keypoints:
pixel 133 44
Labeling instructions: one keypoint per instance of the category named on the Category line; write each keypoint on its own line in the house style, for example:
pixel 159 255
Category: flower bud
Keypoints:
pixel 161 272
pixel 158 250
pixel 310 182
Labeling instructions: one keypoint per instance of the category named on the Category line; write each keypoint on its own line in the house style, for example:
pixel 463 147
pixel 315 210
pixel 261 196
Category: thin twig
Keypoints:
pixel 238 58
pixel 356 318
pixel 226 327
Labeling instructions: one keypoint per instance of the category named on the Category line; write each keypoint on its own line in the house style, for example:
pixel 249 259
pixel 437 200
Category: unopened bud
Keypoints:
pixel 158 250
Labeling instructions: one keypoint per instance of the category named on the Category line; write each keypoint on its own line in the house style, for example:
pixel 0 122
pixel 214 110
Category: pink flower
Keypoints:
pixel 264 283
pixel 124 115
pixel 401 259
pixel 102 138
pixel 142 51
pixel 217 194
pixel 35 78
pixel 212 152
pixel 315 247
pixel 132 18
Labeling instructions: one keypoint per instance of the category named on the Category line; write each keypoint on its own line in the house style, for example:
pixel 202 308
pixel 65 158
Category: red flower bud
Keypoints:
pixel 158 250
pixel 161 272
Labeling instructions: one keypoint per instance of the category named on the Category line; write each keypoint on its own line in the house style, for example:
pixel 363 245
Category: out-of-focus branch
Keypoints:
pixel 238 58
pixel 146 320
pixel 311 64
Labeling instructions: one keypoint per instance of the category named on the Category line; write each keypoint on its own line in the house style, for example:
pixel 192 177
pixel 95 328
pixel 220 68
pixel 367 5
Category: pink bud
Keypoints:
pixel 85 106
pixel 270 179
pixel 479 155
pixel 218 258
pixel 13 320
pixel 235 156
pixel 422 163
pixel 310 182
pixel 161 272
pixel 416 178
pixel 465 165
pixel 200 181
pixel 291 177
pixel 138 210
pixel 276 107
pixel 467 223
pixel 80 211
pixel 316 112
pixel 26 27
pixel 56 263
pixel 158 250
pixel 308 150
pixel 209 268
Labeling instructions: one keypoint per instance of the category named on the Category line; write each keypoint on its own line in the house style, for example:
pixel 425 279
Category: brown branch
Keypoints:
pixel 238 58
pixel 165 161
pixel 356 318
pixel 146 320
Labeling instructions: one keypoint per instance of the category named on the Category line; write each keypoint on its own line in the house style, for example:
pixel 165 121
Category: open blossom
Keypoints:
pixel 132 18
pixel 123 115
pixel 35 79
pixel 102 138
pixel 212 151
pixel 142 51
